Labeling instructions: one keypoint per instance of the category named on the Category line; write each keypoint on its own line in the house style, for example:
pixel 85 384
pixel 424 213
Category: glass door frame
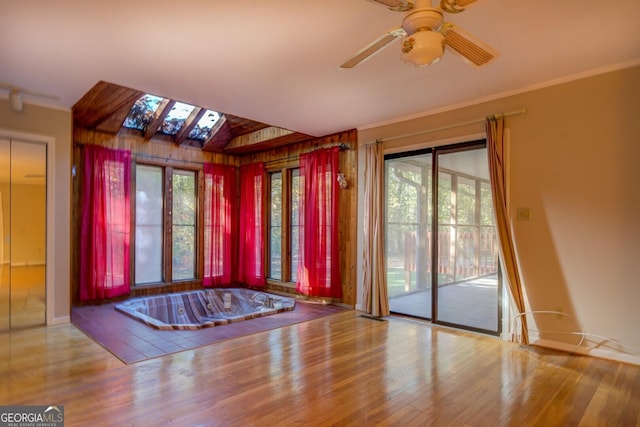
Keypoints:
pixel 435 152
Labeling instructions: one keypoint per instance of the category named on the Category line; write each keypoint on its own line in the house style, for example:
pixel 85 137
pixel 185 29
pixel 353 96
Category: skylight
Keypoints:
pixel 202 129
pixel 176 118
pixel 149 110
pixel 142 112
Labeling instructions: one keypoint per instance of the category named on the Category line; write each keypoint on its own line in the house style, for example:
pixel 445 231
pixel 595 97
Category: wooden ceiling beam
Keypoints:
pixel 219 136
pixel 263 139
pixel 257 137
pixel 217 126
pixel 163 109
pixel 189 124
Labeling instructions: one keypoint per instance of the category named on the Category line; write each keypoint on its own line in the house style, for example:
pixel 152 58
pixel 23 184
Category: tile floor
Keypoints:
pixel 132 341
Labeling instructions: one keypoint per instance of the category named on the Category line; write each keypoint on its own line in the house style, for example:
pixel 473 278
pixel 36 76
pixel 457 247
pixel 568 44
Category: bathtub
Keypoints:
pixel 204 308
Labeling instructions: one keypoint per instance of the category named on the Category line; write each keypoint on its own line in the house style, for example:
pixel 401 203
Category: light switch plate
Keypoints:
pixel 523 214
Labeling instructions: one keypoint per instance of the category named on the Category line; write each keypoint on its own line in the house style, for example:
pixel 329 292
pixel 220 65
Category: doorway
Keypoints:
pixel 441 245
pixel 23 233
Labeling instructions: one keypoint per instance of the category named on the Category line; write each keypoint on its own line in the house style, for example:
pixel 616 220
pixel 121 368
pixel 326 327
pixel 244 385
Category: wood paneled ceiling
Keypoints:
pixel 106 106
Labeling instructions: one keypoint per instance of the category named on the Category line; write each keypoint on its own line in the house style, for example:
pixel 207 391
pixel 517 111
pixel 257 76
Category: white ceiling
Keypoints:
pixel 276 61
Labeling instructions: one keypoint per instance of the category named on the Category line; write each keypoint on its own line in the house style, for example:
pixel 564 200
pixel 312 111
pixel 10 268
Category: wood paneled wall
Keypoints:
pixel 348 203
pixel 168 153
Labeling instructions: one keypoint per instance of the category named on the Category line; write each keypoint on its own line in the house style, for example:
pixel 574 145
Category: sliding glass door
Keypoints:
pixel 467 290
pixel 408 233
pixel 442 259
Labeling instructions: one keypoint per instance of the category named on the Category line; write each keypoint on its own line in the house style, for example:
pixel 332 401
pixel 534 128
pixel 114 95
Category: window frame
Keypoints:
pixel 286 169
pixel 167 169
pixel 191 174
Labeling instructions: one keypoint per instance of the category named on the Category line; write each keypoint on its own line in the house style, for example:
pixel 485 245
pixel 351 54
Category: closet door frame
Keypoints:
pixel 49 142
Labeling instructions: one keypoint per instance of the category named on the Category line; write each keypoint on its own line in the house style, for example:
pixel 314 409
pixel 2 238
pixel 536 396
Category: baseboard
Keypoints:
pixel 61 320
pixel 585 351
pixel 343 305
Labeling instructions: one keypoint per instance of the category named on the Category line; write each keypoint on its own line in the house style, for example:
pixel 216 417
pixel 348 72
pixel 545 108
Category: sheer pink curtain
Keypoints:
pixel 318 271
pixel 251 245
pixel 219 224
pixel 105 223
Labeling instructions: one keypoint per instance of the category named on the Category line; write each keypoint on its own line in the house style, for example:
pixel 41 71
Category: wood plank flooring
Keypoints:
pixel 343 369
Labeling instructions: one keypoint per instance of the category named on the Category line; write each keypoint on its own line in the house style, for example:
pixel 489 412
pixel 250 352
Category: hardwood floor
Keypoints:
pixel 343 369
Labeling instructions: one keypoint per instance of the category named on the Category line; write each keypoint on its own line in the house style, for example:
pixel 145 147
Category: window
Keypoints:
pixel 275 226
pixel 285 198
pixel 176 118
pixel 203 127
pixel 183 234
pixel 149 224
pixel 165 233
pixel 143 112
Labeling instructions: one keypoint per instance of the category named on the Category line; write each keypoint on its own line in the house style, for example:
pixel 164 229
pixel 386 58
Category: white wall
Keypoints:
pixel 573 162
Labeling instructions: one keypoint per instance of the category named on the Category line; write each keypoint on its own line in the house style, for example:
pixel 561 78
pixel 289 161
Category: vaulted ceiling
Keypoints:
pixel 277 62
pixel 106 106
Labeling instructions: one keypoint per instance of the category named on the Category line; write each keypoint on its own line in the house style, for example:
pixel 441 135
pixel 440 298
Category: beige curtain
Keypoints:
pixel 496 153
pixel 375 299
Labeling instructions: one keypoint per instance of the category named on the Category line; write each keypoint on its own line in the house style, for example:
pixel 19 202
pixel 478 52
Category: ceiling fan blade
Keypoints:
pixel 455 6
pixel 468 47
pixel 396 5
pixel 373 48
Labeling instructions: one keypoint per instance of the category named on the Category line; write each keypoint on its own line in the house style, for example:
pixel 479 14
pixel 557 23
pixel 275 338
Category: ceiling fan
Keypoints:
pixel 425 34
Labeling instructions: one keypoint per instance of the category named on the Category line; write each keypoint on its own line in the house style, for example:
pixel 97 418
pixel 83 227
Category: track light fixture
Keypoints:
pixel 15 100
pixel 16 93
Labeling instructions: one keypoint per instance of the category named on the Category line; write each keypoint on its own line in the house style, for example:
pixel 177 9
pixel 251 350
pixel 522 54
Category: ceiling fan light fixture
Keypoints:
pixel 422 48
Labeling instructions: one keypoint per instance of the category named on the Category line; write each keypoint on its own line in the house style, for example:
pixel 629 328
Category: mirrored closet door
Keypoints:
pixel 23 201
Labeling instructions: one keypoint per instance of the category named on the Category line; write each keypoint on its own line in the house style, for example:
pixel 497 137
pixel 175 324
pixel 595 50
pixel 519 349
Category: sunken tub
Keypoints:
pixel 204 308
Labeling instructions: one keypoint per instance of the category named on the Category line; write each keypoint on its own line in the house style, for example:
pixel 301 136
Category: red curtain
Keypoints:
pixel 105 223
pixel 251 245
pixel 219 224
pixel 318 272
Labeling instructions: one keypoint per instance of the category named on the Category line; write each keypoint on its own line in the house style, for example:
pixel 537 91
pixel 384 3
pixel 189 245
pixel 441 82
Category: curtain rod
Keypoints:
pixel 165 159
pixel 342 146
pixel 470 122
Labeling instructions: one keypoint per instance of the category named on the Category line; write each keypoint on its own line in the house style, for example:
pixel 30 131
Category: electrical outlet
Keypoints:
pixel 523 214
